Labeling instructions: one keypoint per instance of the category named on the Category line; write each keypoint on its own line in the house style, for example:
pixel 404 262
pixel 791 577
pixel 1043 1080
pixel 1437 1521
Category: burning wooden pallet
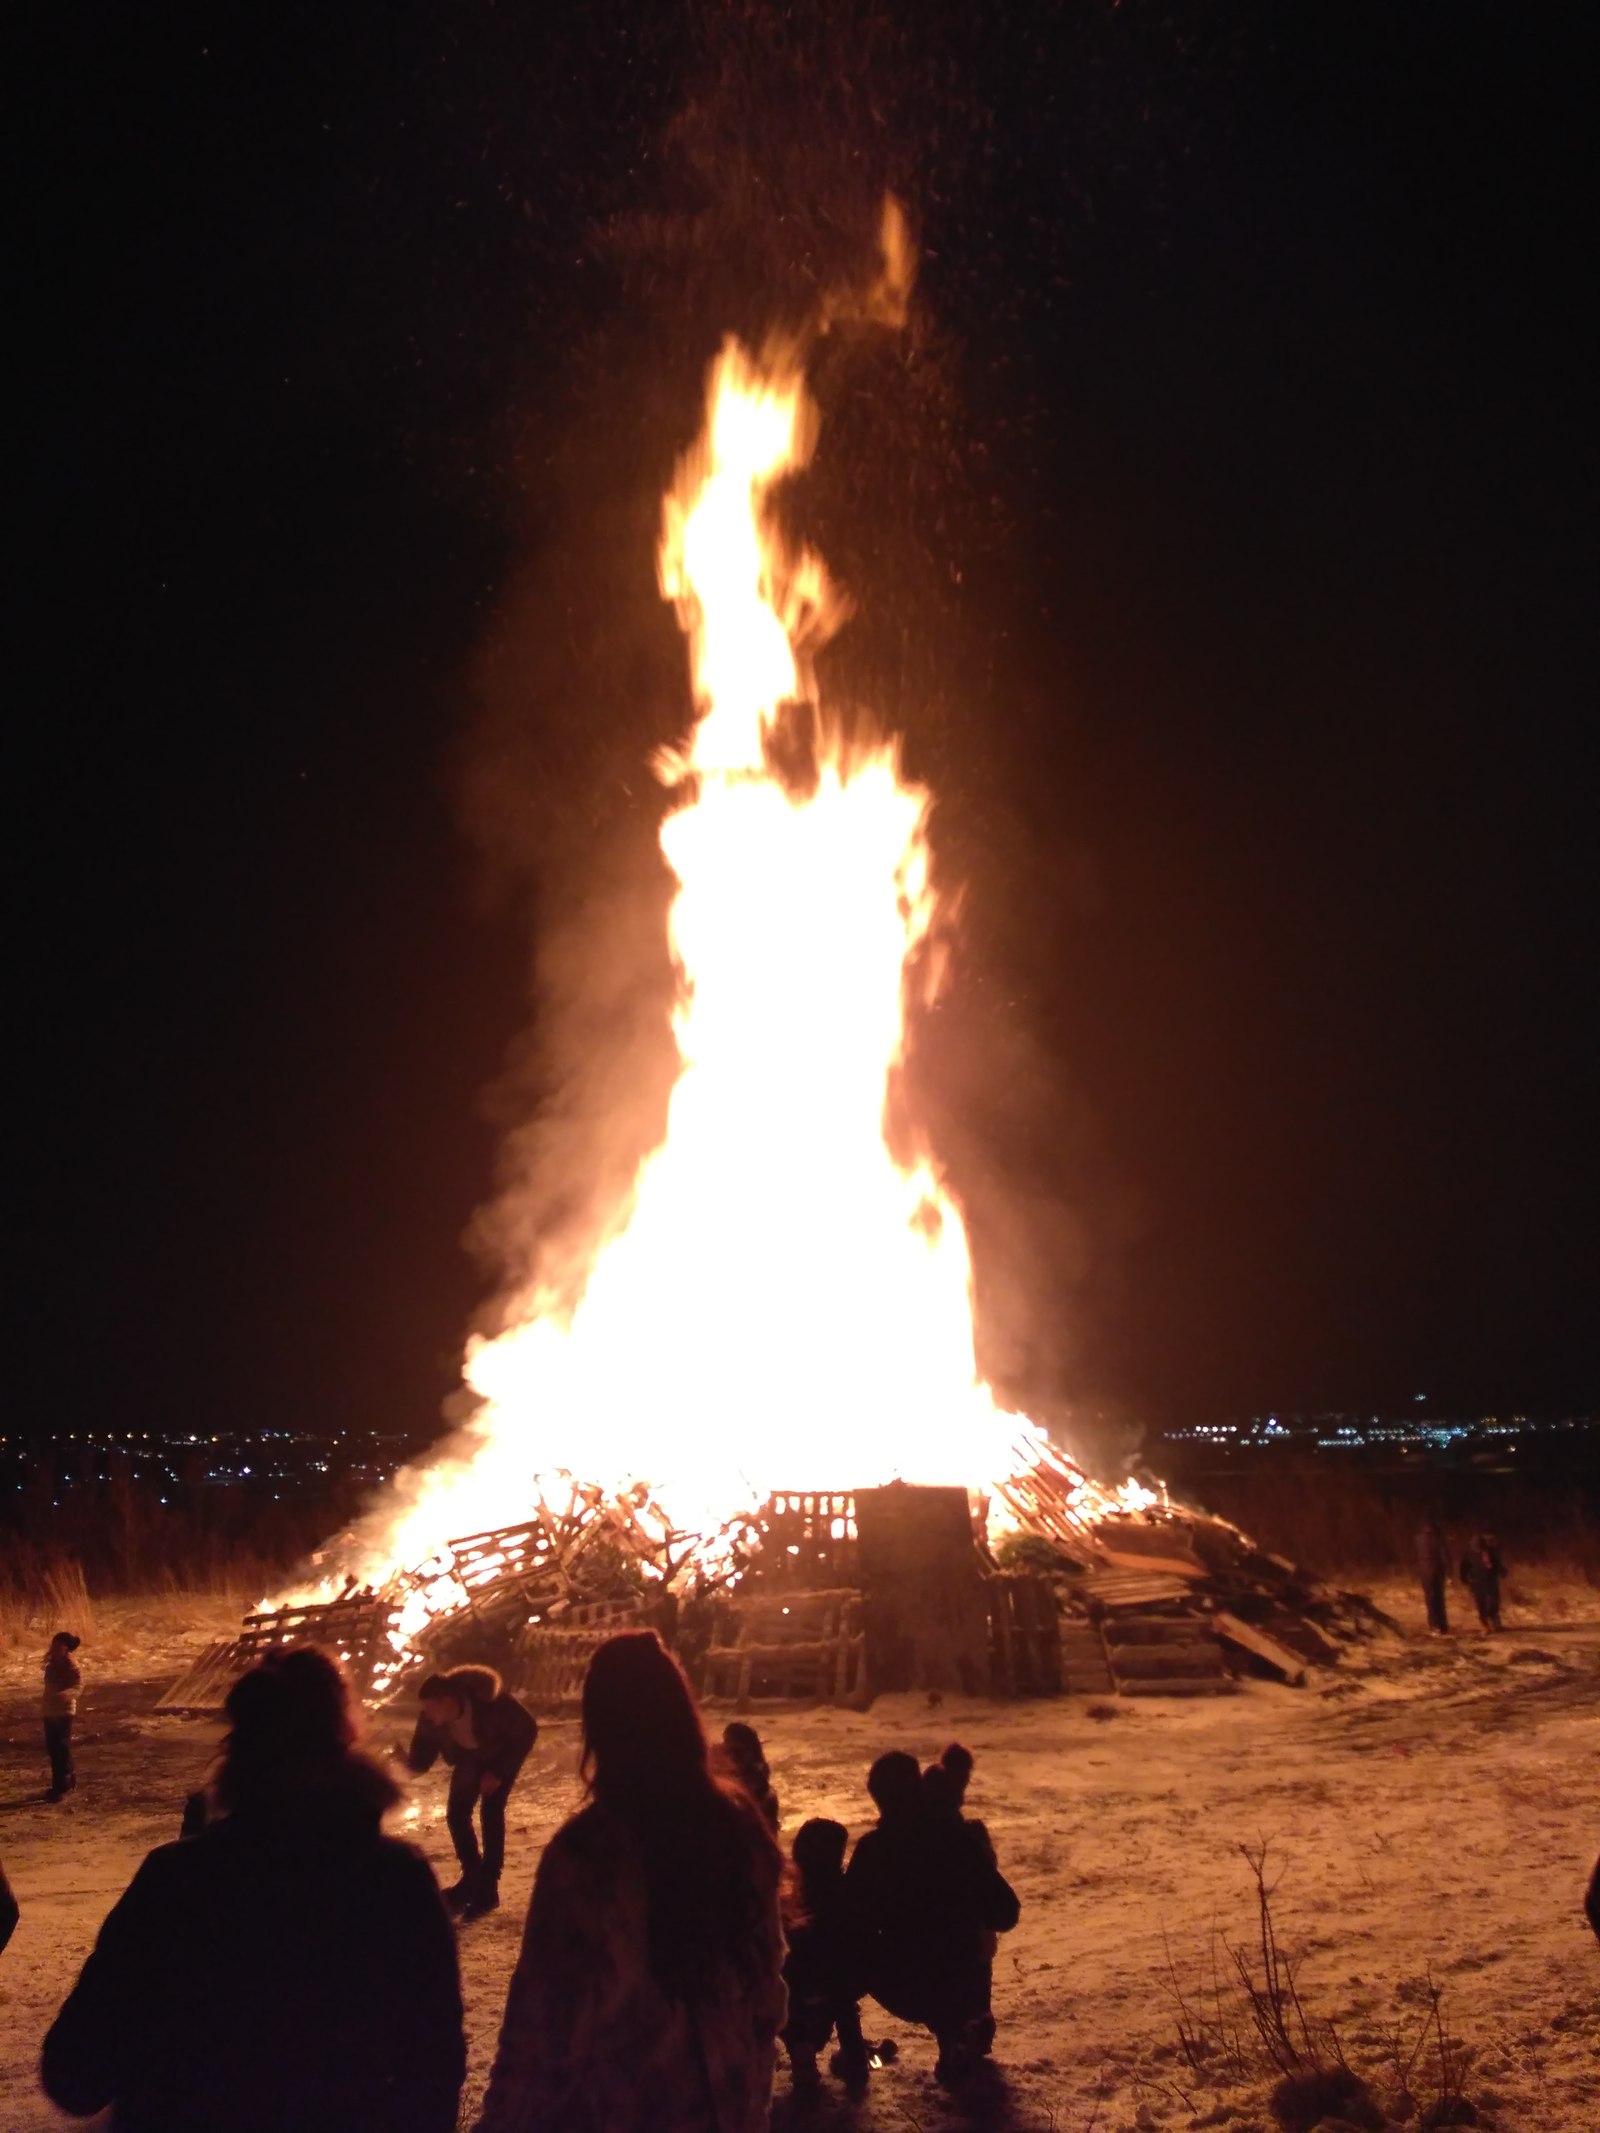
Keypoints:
pixel 551 1657
pixel 354 1630
pixel 808 1538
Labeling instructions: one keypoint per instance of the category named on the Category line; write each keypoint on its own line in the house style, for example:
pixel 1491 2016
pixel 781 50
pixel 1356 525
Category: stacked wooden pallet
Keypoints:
pixel 354 1630
pixel 789 1644
pixel 550 1658
pixel 1085 1669
pixel 1164 1655
pixel 1024 1635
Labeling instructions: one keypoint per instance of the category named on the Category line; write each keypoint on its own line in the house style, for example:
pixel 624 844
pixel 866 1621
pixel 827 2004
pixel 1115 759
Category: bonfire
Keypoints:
pixel 779 1316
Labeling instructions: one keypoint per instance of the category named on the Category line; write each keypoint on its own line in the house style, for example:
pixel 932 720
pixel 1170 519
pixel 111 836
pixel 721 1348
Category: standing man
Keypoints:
pixel 1433 1569
pixel 62 1681
pixel 484 1736
pixel 1481 1572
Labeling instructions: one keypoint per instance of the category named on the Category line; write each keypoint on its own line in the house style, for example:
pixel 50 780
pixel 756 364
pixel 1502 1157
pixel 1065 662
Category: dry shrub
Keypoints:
pixel 1247 2021
pixel 42 1591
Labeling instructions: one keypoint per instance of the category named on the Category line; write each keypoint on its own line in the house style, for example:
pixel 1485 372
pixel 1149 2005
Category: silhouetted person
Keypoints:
pixel 485 1736
pixel 944 1794
pixel 10 1912
pixel 1481 1572
pixel 1591 1902
pixel 62 1681
pixel 1433 1569
pixel 744 1760
pixel 930 1895
pixel 290 1967
pixel 826 1970
pixel 648 1995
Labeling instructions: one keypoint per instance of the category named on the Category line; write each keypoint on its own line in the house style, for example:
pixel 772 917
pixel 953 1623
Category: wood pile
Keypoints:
pixel 834 1595
pixel 1182 1603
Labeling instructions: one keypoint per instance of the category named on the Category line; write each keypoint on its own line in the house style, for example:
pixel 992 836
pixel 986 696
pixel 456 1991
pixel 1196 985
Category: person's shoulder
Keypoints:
pixel 593 1832
pixel 164 1876
pixel 588 1851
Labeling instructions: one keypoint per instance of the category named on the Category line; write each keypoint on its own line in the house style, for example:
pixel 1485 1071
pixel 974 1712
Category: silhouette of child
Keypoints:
pixel 746 1764
pixel 825 1970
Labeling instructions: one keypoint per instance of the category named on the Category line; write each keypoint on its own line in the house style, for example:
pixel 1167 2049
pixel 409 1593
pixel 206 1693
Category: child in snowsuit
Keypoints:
pixel 825 1970
pixel 62 1681
pixel 485 1737
pixel 745 1761
pixel 929 1895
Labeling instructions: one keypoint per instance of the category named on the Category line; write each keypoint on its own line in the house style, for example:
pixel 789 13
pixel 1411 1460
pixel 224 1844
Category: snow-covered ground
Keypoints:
pixel 1432 1806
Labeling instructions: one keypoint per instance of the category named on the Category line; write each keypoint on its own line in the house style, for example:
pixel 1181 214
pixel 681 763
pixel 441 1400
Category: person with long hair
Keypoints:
pixel 649 1992
pixel 290 1966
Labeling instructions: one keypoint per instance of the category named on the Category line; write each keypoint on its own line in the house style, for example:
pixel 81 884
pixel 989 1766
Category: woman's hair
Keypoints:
pixel 292 1739
pixel 702 1844
pixel 65 1636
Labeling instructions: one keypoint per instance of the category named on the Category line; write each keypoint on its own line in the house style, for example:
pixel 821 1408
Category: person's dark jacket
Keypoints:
pixel 292 1969
pixel 9 1910
pixel 1591 1903
pixel 504 1735
pixel 1431 1559
pixel 928 1895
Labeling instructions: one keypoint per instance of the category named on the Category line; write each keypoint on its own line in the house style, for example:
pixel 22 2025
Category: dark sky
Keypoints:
pixel 1264 516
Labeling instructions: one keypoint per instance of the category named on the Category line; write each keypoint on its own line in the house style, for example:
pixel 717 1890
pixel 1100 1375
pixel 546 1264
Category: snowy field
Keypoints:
pixel 1432 1808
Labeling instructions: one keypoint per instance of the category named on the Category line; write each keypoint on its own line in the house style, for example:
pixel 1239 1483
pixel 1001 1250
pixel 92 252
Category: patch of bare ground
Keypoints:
pixel 1430 1808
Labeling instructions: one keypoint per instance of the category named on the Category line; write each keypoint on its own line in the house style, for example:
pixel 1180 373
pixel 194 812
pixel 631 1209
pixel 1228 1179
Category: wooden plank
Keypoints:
pixel 1218 1685
pixel 1286 1664
pixel 1151 1562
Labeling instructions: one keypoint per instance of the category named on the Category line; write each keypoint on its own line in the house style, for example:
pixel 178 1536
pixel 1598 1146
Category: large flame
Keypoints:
pixel 783 1304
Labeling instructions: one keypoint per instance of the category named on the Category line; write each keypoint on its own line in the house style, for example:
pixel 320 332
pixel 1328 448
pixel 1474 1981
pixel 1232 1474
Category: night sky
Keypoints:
pixel 1224 539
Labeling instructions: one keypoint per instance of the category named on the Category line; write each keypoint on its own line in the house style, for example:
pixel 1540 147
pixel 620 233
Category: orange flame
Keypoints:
pixel 783 1305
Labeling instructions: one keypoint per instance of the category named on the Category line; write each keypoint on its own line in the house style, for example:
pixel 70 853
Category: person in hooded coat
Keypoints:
pixel 649 1993
pixel 485 1736
pixel 290 1967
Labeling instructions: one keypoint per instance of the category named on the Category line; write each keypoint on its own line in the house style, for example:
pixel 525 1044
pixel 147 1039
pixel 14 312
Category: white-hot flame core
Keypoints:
pixel 783 1305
